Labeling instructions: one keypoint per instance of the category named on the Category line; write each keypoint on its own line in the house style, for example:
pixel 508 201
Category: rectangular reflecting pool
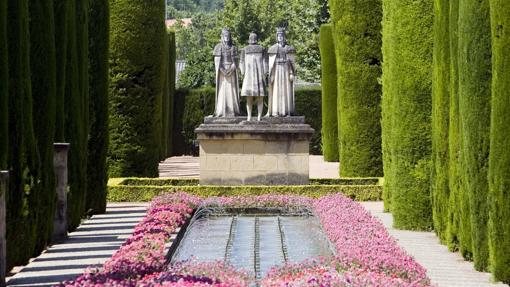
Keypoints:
pixel 253 242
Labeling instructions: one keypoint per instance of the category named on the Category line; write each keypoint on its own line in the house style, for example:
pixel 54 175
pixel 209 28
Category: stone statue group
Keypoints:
pixel 274 68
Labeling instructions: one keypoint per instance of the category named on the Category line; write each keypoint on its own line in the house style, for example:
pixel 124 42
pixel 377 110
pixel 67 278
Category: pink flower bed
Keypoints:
pixel 366 254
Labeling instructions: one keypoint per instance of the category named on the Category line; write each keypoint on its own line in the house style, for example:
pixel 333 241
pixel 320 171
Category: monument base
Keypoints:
pixel 273 151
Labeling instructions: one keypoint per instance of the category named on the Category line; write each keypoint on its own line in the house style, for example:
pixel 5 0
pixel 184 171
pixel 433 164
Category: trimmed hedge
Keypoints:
pixel 329 92
pixel 61 43
pixel 357 28
pixel 194 181
pixel 192 105
pixel 458 205
pixel 120 193
pixel 164 99
pixel 474 111
pixel 440 118
pixel 407 84
pixel 136 53
pixel 21 199
pixel 97 174
pixel 499 163
pixel 44 87
pixel 171 91
pixel 4 89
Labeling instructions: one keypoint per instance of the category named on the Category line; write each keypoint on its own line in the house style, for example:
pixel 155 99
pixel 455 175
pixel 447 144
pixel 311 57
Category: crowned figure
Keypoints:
pixel 227 82
pixel 282 70
pixel 254 68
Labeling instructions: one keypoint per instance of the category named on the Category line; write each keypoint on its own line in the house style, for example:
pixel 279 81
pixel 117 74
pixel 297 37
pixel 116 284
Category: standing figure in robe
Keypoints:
pixel 254 68
pixel 282 71
pixel 227 82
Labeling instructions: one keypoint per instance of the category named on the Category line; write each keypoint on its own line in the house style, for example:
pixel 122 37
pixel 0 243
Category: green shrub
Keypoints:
pixel 61 43
pixel 43 81
pixel 440 118
pixel 329 99
pixel 458 205
pixel 4 90
pixel 474 110
pixel 23 161
pixel 76 126
pixel 171 91
pixel 357 28
pixel 97 174
pixel 308 104
pixel 195 181
pixel 407 84
pixel 499 163
pixel 120 193
pixel 136 53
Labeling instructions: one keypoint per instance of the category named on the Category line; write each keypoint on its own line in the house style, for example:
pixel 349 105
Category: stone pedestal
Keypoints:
pixel 234 151
pixel 60 167
pixel 4 176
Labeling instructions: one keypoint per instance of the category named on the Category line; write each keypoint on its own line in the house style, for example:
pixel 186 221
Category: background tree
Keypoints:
pixel 4 89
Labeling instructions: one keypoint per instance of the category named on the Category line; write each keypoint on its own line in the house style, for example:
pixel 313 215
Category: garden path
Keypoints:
pixel 91 244
pixel 446 269
pixel 189 167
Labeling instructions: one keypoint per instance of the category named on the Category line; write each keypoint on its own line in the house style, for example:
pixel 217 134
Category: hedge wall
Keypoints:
pixel 21 199
pixel 357 28
pixel 407 84
pixel 474 110
pixel 458 204
pixel 97 174
pixel 499 164
pixel 171 91
pixel 164 100
pixel 329 92
pixel 61 43
pixel 191 106
pixel 44 85
pixel 4 89
pixel 136 53
pixel 440 118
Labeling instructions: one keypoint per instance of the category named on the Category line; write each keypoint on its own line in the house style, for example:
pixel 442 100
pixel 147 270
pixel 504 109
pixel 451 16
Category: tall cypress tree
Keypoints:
pixel 474 111
pixel 357 26
pixel 97 175
pixel 440 118
pixel 61 43
pixel 408 85
pixel 43 76
pixel 165 99
pixel 499 164
pixel 75 125
pixel 171 93
pixel 4 89
pixel 23 159
pixel 329 94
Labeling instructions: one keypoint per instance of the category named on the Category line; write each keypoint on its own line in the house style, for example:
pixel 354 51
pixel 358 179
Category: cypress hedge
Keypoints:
pixel 21 199
pixel 407 81
pixel 357 27
pixel 4 89
pixel 171 90
pixel 440 118
pixel 499 163
pixel 474 111
pixel 458 204
pixel 165 98
pixel 61 43
pixel 137 35
pixel 97 174
pixel 75 125
pixel 386 101
pixel 44 84
pixel 329 92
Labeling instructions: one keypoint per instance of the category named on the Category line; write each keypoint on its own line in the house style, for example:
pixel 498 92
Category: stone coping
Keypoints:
pixel 264 120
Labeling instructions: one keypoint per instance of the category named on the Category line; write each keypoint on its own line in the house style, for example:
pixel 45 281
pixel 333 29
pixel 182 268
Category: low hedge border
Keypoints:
pixel 135 181
pixel 126 193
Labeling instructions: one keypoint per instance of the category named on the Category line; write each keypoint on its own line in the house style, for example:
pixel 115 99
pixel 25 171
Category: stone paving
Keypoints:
pixel 446 269
pixel 91 244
